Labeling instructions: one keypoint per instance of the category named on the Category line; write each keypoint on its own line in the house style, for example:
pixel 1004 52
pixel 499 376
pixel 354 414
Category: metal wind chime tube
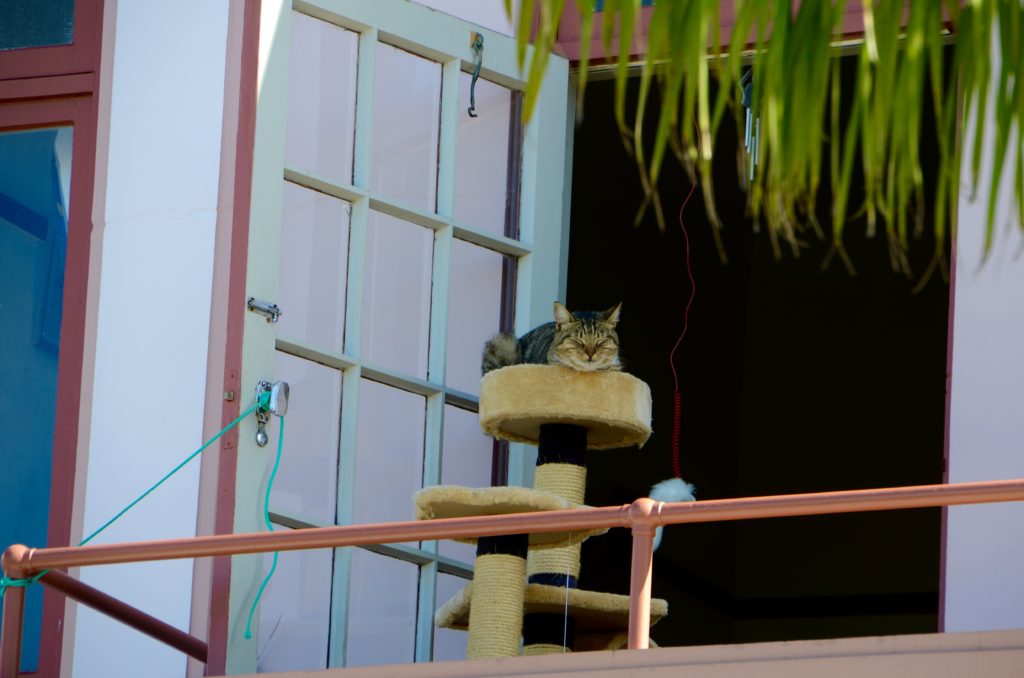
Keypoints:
pixel 752 132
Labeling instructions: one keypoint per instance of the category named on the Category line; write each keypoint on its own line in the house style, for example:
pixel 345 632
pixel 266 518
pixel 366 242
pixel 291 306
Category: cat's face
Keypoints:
pixel 585 341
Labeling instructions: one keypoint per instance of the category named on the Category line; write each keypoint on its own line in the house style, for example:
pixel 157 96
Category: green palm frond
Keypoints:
pixel 792 54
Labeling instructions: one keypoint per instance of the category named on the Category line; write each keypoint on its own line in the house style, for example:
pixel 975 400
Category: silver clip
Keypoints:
pixel 262 414
pixel 276 403
pixel 271 312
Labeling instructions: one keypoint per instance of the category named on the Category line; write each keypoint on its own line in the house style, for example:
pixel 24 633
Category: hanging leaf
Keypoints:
pixel 796 97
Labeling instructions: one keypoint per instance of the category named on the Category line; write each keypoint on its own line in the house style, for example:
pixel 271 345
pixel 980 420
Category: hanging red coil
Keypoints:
pixel 677 407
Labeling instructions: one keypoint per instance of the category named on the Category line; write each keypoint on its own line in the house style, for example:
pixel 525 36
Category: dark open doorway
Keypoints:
pixel 793 379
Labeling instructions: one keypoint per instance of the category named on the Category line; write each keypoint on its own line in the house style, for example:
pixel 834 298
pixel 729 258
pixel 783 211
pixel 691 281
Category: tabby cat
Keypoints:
pixel 584 340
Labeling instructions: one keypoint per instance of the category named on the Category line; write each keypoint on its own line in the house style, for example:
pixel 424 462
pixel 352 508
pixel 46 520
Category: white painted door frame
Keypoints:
pixel 541 252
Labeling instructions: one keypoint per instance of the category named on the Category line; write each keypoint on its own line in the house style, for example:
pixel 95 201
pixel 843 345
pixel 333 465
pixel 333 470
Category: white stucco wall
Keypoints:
pixel 985 544
pixel 166 93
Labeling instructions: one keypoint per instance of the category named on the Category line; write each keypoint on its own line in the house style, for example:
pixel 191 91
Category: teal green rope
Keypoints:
pixel 270 528
pixel 7 582
pixel 262 402
pixel 173 471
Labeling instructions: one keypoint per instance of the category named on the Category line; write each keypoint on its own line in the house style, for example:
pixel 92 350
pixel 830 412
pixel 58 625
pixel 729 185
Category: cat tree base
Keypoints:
pixel 595 613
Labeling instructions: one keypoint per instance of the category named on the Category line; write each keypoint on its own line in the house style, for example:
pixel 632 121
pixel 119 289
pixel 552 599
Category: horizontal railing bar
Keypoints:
pixel 20 561
pixel 125 613
pixel 848 501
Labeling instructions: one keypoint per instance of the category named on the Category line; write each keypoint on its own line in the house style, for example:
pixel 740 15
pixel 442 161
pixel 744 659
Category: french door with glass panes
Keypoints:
pixel 396 233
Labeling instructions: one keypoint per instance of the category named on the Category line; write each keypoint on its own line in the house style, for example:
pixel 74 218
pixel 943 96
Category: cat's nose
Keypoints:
pixel 590 351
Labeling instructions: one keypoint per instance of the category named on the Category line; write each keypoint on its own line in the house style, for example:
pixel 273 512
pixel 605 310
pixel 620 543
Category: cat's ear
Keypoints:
pixel 562 315
pixel 611 316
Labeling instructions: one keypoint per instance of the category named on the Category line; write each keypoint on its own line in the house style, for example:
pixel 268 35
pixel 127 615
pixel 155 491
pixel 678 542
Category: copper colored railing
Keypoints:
pixel 643 515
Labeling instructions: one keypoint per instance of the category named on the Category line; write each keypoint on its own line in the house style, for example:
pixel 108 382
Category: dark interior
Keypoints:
pixel 793 379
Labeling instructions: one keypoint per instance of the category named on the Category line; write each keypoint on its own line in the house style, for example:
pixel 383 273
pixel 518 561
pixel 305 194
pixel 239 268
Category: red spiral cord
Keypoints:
pixel 677 415
pixel 677 399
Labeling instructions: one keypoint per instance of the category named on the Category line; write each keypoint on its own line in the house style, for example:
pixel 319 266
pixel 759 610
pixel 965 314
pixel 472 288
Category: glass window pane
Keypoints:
pixel 449 644
pixel 466 461
pixel 295 612
pixel 482 156
pixel 474 311
pixel 396 298
pixel 321 98
pixel 389 452
pixel 36 24
pixel 35 181
pixel 306 483
pixel 381 610
pixel 406 124
pixel 313 266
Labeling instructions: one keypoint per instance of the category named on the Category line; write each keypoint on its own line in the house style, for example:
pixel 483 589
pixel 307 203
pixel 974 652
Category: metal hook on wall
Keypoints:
pixel 477 43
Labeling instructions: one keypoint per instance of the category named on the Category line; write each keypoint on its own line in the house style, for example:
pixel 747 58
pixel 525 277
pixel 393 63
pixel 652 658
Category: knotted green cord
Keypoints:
pixel 6 582
pixel 270 528
pixel 263 402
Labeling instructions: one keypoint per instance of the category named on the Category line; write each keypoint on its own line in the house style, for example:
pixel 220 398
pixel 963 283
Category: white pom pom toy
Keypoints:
pixel 671 490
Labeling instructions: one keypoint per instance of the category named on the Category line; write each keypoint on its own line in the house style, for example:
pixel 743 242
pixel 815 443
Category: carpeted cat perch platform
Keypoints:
pixel 454 501
pixel 527 589
pixel 494 614
pixel 614 407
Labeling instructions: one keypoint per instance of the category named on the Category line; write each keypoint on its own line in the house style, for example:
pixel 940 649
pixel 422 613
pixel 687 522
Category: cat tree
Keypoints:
pixel 526 587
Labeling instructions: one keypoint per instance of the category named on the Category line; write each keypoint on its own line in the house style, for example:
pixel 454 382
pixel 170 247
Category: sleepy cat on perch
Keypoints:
pixel 584 341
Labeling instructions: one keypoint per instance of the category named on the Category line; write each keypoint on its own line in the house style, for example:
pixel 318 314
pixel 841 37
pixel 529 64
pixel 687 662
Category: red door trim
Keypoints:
pixel 224 517
pixel 80 112
pixel 81 56
pixel 944 534
pixel 44 87
pixel 50 86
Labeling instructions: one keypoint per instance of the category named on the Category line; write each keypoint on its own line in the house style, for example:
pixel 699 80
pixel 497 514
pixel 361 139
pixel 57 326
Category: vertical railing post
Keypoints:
pixel 10 632
pixel 640 574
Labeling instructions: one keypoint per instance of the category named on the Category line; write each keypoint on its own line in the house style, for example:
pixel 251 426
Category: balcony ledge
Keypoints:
pixel 992 654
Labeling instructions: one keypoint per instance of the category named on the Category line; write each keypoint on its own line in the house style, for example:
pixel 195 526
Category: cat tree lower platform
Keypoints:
pixel 596 617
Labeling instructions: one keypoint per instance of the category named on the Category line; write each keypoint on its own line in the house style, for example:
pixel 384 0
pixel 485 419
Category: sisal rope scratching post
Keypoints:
pixel 496 606
pixel 561 470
